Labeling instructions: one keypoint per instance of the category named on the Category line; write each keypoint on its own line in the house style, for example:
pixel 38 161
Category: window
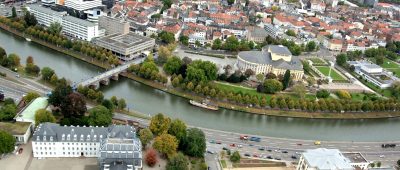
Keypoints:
pixel 68 137
pixel 63 137
pixel 38 138
pixel 51 138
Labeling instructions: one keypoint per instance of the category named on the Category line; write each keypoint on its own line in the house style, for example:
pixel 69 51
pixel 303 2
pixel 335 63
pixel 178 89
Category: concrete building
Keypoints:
pixel 46 16
pixel 93 15
pixel 331 159
pixel 113 25
pixel 126 46
pixel 115 146
pixel 20 130
pixel 48 2
pixel 271 59
pixel 27 114
pixel 373 73
pixel 82 5
pixel 79 28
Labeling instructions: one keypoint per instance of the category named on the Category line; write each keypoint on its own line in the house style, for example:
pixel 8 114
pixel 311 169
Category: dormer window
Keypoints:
pixel 94 138
pixel 51 138
pixel 75 137
pixel 82 138
pixel 63 137
pixel 68 137
pixel 44 138
pixel 38 138
pixel 101 136
pixel 88 138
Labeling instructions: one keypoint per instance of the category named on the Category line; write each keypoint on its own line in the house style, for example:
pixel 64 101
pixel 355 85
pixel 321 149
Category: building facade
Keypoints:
pixel 126 46
pixel 46 16
pixel 53 140
pixel 373 73
pixel 271 59
pixel 82 5
pixel 113 25
pixel 79 28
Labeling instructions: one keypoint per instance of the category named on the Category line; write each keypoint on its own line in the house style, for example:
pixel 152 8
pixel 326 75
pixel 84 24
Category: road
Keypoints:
pixel 372 151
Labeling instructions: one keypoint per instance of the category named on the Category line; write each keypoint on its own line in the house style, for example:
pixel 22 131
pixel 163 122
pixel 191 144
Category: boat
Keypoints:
pixel 204 104
pixel 28 39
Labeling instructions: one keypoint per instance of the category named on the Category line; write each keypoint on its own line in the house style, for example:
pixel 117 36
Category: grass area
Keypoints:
pixel 334 74
pixel 17 128
pixel 317 61
pixel 390 66
pixel 243 90
pixel 357 96
pixel 223 163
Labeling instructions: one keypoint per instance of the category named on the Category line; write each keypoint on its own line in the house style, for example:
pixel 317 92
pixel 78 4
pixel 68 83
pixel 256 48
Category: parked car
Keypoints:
pixel 261 148
pixel 232 145
pixel 294 157
pixel 218 142
pixel 269 157
pixel 239 146
pixel 284 151
pixel 256 139
pixel 255 155
pixel 269 150
pixel 20 150
pixel 212 141
pixel 244 137
pixel 210 152
pixel 224 148
pixel 277 158
pixel 247 154
pixel 317 142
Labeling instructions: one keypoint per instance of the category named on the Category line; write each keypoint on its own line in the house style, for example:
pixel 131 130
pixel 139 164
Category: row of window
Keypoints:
pixel 67 153
pixel 72 148
pixel 63 143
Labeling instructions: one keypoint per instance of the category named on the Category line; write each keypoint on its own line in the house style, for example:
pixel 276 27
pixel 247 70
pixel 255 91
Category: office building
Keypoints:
pixel 115 146
pixel 79 28
pixel 271 59
pixel 373 73
pixel 113 25
pixel 126 46
pixel 45 16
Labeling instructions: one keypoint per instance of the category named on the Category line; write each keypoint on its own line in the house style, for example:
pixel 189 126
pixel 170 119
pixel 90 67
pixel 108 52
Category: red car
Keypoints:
pixel 244 137
pixel 232 145
pixel 20 150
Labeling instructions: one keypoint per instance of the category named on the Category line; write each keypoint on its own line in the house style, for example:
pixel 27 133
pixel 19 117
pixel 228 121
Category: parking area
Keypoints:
pixel 17 162
pixel 64 164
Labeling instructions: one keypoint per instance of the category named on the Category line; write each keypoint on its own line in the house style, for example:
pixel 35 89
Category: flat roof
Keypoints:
pixel 355 157
pixel 28 113
pixel 124 40
pixel 79 21
pixel 16 128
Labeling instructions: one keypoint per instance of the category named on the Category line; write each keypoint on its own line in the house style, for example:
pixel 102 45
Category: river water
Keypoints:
pixel 151 101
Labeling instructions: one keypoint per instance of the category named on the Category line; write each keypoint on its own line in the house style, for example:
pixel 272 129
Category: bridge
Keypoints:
pixel 104 78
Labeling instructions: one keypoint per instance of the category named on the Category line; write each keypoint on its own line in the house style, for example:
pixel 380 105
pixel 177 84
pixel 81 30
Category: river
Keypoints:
pixel 151 101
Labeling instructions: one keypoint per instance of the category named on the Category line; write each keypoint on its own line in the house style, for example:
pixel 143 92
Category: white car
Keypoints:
pixel 381 156
pixel 239 146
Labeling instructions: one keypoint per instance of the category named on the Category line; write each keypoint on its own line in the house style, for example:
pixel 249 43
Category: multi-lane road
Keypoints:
pixel 372 151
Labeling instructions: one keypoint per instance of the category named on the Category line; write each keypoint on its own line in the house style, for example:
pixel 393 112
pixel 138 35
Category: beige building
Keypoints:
pixel 113 25
pixel 256 34
pixel 271 59
pixel 335 45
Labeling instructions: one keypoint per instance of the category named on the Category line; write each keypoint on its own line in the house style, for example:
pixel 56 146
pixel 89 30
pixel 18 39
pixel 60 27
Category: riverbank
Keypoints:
pixel 230 106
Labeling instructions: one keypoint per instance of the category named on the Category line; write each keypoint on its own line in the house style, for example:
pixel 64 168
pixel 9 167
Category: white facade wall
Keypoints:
pixel 373 80
pixel 235 32
pixel 45 18
pixel 81 5
pixel 80 31
pixel 65 149
pixel 194 20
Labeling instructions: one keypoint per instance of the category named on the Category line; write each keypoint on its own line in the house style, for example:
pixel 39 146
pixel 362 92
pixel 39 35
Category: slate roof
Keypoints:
pixel 327 159
pixel 279 49
pixel 264 57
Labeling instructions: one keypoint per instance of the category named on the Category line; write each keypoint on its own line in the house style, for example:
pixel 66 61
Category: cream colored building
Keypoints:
pixel 271 59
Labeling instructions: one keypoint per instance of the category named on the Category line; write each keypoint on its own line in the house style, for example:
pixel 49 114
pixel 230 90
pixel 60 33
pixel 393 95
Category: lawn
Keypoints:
pixel 334 74
pixel 317 61
pixel 390 66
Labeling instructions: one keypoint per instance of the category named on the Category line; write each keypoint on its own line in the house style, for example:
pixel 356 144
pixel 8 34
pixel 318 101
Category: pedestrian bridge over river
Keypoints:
pixel 104 78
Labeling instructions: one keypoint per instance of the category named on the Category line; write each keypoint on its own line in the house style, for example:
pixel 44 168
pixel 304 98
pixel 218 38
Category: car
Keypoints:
pixel 317 142
pixel 294 157
pixel 255 155
pixel 224 148
pixel 210 152
pixel 240 146
pixel 218 142
pixel 244 137
pixel 269 150
pixel 251 144
pixel 284 151
pixel 381 156
pixel 17 75
pixel 247 154
pixel 212 141
pixel 256 139
pixel 277 158
pixel 20 150
pixel 276 150
pixel 269 157
pixel 299 144
pixel 232 145
pixel 261 148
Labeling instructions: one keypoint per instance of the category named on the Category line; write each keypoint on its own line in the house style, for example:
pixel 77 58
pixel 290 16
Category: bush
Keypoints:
pixel 343 94
pixel 151 157
pixel 323 93
pixel 235 157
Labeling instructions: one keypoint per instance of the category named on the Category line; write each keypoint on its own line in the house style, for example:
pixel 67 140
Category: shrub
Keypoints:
pixel 151 157
pixel 343 94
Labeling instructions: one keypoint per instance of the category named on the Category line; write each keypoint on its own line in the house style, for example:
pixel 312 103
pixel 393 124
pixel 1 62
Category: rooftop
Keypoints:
pixel 279 49
pixel 16 128
pixel 326 159
pixel 48 11
pixel 28 113
pixel 355 157
pixel 124 40
pixel 79 21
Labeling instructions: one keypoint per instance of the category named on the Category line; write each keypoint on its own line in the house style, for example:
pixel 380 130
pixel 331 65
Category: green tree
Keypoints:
pixel 145 136
pixel 178 129
pixel 178 162
pixel 230 2
pixel 166 144
pixel 341 59
pixel 201 71
pixel 235 157
pixel 323 93
pixel 379 60
pixel 108 104
pixel 59 94
pixel 73 105
pixel 343 94
pixel 14 12
pixel 272 86
pixel 13 60
pixel 217 44
pixel 311 46
pixel 7 142
pixel 46 73
pixel 99 116
pixel 286 79
pixel 300 90
pixel 231 44
pixel 184 40
pixel 31 96
pixel 8 111
pixel 290 33
pixel 121 104
pixel 159 124
pixel 173 65
pixel 166 37
pixel 30 19
pixel 197 43
pixel 190 86
pixel 55 28
pixel 42 115
pixel 196 143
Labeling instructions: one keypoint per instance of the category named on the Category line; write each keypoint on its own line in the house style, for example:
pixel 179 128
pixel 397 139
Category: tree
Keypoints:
pixel 196 143
pixel 30 19
pixel 166 144
pixel 178 162
pixel 13 60
pixel 260 77
pixel 184 40
pixel 31 96
pixel 378 164
pixel 311 46
pixel 379 60
pixel 163 54
pixel 235 157
pixel 270 76
pixel 55 28
pixel 166 37
pixel 343 94
pixel 286 79
pixel 29 60
pixel 42 115
pixel 178 129
pixel 99 116
pixel 3 56
pixel 197 43
pixel 145 136
pixel 217 44
pixel 372 164
pixel 47 73
pixel 121 104
pixel 74 105
pixel 272 86
pixel 323 93
pixel 231 44
pixel 8 111
pixel 398 162
pixel 201 71
pixel 7 142
pixel 151 157
pixel 230 2
pixel 395 90
pixel 14 12
pixel 59 94
pixel 300 90
pixel 249 72
pixel 290 33
pixel 159 124
pixel 108 104
pixel 341 59
pixel 173 65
